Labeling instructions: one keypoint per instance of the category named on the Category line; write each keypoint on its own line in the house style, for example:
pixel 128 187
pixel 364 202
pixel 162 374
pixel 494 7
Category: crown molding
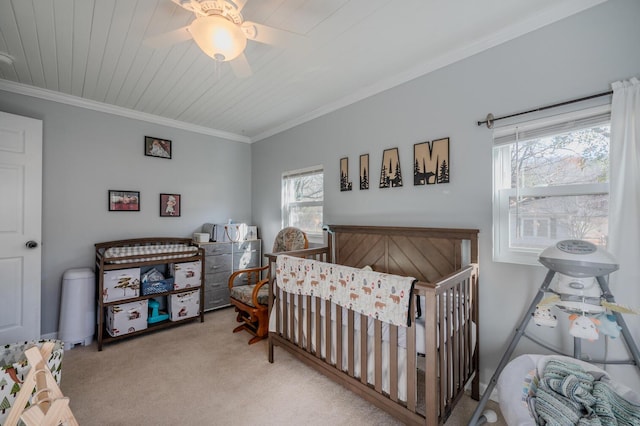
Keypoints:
pixel 50 95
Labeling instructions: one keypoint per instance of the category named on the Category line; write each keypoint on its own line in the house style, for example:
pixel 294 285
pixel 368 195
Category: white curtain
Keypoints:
pixel 624 215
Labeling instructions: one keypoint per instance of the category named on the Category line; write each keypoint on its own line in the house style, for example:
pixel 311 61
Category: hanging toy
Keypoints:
pixel 608 325
pixel 619 308
pixel 542 315
pixel 583 327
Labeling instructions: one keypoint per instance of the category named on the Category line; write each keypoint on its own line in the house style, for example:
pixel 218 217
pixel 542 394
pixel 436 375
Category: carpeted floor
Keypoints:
pixel 203 374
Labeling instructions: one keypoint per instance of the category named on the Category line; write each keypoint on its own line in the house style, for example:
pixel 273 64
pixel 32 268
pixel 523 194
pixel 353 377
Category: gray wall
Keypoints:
pixel 572 58
pixel 86 153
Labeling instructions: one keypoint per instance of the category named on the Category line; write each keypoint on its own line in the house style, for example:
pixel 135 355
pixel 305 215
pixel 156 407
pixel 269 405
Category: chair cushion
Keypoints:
pixel 289 239
pixel 244 294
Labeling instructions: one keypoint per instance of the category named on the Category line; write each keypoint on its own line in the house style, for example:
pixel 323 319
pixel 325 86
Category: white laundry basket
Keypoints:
pixel 77 308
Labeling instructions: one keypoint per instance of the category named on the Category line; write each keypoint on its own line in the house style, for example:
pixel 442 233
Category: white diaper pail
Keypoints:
pixel 77 308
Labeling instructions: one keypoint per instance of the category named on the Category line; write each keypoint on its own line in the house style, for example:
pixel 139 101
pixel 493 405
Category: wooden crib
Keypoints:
pixel 420 380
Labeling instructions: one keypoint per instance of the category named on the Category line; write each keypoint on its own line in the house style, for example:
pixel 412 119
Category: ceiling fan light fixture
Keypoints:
pixel 218 37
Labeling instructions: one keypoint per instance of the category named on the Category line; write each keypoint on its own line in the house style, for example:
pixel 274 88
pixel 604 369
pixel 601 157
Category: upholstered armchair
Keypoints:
pixel 249 290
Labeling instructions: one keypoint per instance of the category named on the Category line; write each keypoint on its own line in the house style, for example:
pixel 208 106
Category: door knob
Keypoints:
pixel 31 244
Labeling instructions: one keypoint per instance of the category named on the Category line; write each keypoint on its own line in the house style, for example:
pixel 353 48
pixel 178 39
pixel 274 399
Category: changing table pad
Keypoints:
pixel 114 254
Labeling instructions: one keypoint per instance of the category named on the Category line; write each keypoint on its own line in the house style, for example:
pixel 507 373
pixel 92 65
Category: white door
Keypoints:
pixel 20 227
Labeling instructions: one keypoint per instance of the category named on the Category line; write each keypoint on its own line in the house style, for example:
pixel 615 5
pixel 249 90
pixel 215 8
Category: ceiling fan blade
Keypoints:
pixel 270 35
pixel 241 67
pixel 239 4
pixel 168 39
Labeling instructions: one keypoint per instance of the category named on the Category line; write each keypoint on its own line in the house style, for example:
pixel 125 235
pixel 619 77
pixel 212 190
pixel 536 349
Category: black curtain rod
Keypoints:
pixel 491 119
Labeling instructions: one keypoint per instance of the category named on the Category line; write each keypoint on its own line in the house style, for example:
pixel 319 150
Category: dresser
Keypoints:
pixel 220 260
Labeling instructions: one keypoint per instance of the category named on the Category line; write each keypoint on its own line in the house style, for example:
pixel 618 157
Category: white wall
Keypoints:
pixel 572 58
pixel 86 153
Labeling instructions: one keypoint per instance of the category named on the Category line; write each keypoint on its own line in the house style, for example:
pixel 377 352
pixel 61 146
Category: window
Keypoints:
pixel 551 183
pixel 302 200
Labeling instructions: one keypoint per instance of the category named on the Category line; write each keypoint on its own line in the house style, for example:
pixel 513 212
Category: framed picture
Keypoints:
pixel 431 162
pixel 170 205
pixel 345 183
pixel 390 173
pixel 156 147
pixel 364 171
pixel 124 201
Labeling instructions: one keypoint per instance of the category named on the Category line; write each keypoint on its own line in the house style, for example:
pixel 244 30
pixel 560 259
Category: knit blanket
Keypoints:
pixel 382 296
pixel 567 395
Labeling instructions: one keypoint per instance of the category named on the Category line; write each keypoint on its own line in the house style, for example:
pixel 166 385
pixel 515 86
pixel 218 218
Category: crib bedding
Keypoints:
pixel 383 296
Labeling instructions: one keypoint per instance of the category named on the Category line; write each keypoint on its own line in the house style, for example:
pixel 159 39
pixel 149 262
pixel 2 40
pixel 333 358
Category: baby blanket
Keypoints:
pixel 382 296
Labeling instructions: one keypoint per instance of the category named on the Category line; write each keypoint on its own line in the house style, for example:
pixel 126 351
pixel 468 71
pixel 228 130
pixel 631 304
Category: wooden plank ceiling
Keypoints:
pixel 95 50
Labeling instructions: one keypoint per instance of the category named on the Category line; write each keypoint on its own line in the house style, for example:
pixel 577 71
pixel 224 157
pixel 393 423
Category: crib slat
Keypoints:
pixel 393 362
pixel 433 343
pixel 278 307
pixel 339 338
pixel 318 327
pixel 350 341
pixel 287 316
pixel 411 362
pixel 328 335
pixel 308 328
pixel 364 344
pixel 442 312
pixel 378 355
pixel 469 325
pixel 456 338
pixel 450 342
pixel 463 331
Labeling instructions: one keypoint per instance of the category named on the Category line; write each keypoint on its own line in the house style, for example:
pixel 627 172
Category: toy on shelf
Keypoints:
pixel 154 312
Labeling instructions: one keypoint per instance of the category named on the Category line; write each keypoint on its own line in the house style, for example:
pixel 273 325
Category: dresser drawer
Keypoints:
pixel 217 248
pixel 216 298
pixel 247 245
pixel 216 263
pixel 246 259
pixel 217 279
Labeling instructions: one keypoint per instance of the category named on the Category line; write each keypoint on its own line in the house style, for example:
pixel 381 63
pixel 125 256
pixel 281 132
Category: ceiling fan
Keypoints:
pixel 221 32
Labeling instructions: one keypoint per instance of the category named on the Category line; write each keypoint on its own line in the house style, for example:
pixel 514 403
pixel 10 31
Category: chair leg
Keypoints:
pixel 240 328
pixel 255 321
pixel 256 339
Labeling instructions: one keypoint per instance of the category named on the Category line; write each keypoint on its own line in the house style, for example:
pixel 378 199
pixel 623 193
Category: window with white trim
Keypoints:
pixel 550 183
pixel 302 201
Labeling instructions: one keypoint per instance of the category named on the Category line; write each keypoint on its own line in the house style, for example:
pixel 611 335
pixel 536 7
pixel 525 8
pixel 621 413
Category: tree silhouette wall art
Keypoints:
pixel 390 173
pixel 345 184
pixel 431 162
pixel 364 171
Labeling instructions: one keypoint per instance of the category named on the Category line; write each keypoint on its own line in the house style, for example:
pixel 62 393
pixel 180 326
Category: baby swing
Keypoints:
pixel 580 265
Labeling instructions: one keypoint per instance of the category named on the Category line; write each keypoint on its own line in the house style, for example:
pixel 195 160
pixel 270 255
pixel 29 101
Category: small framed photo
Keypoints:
pixel 124 201
pixel 169 205
pixel 156 147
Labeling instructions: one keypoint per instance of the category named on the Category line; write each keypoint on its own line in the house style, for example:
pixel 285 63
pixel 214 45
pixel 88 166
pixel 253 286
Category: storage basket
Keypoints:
pixel 155 287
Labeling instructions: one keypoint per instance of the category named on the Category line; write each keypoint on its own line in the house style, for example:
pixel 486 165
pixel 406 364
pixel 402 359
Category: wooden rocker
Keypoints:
pixel 249 292
pixel 48 406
